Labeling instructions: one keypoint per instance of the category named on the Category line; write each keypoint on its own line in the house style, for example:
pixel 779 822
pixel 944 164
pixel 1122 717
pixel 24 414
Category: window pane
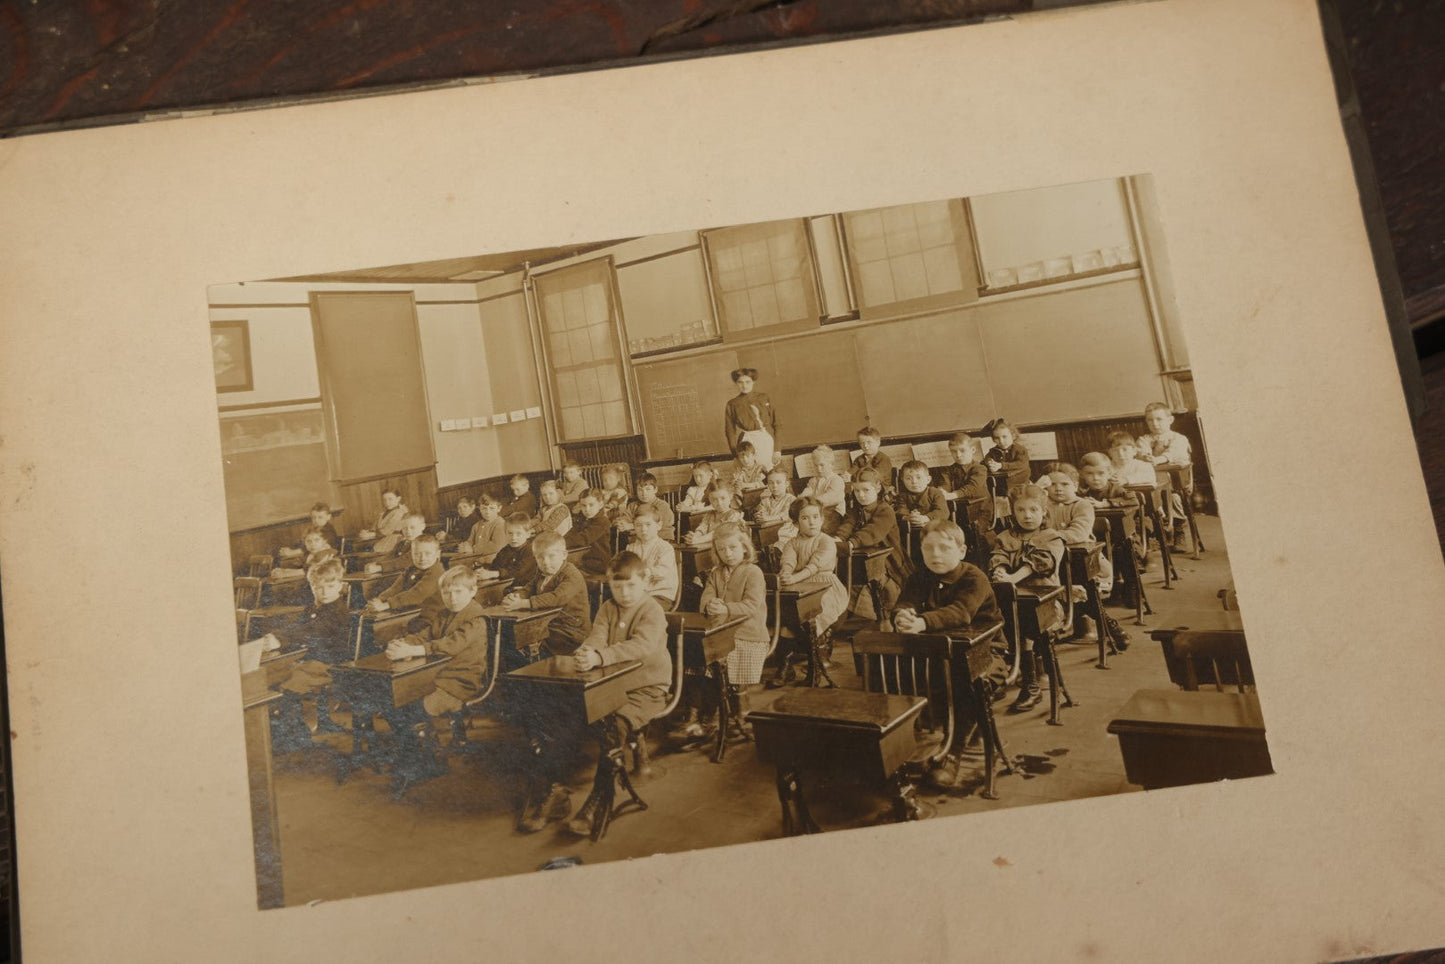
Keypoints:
pixel 581 346
pixel 762 277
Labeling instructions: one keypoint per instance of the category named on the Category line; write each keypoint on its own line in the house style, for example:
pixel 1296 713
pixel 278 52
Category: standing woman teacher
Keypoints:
pixel 750 417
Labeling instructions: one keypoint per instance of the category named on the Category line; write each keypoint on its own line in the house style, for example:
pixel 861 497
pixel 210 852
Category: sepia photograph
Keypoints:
pixel 568 555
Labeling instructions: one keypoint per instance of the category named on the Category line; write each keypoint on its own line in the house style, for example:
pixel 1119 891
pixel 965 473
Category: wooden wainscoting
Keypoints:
pixel 265 540
pixel 363 499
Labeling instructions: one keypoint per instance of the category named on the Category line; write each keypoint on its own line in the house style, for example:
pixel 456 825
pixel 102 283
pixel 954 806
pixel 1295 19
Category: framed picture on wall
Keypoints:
pixel 231 352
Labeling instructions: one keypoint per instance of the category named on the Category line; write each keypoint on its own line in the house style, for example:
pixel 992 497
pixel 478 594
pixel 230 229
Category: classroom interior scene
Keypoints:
pixel 842 520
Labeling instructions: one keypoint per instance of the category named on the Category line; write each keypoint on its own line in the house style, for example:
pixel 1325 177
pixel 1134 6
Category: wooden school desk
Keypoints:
pixel 865 567
pixel 705 648
pixel 868 735
pixel 551 690
pixel 1121 554
pixel 1181 480
pixel 797 606
pixel 276 666
pixel 1152 498
pixel 374 684
pixel 1082 562
pixel 1031 607
pixel 257 697
pixel 361 586
pixel 521 632
pixel 1173 738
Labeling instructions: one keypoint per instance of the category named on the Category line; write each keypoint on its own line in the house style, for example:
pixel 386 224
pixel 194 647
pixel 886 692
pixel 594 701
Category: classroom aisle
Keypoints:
pixel 352 839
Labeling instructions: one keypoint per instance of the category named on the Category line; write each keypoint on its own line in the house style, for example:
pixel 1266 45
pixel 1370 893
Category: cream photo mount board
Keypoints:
pixel 112 521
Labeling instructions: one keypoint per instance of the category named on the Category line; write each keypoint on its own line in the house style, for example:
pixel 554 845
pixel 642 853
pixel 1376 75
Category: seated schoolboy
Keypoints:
pixel 573 485
pixel 966 480
pixel 870 523
pixel 1072 517
pixel 521 500
pixel 870 456
pixel 294 567
pixel 320 522
pixel 553 515
pixel 419 585
pixel 774 504
pixel 659 557
pixel 918 502
pixel 557 585
pixel 324 628
pixel 725 510
pixel 695 498
pixel 460 523
pixel 398 552
pixel 748 473
pixel 1029 554
pixel 629 626
pixel 594 533
pixel 514 561
pixel 647 496
pixel 827 488
pixel 947 594
pixel 1125 467
pixel 1008 456
pixel 388 523
pixel 1163 446
pixel 613 492
pixel 489 532
pixel 458 628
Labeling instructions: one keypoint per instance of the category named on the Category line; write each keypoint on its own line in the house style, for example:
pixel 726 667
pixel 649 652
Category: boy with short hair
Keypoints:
pixel 459 629
pixel 514 560
pixel 870 523
pixel 324 628
pixel 595 533
pixel 1125 467
pixel 659 557
pixel 918 501
pixel 948 593
pixel 647 496
pixel 776 500
pixel 489 533
pixel 748 474
pixel 522 501
pixel 557 584
pixel 870 456
pixel 397 553
pixel 629 626
pixel 419 585
pixel 573 485
pixel 460 523
pixel 1162 446
pixel 320 523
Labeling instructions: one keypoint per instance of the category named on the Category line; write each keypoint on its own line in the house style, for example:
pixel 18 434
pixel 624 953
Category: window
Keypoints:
pixel 1050 235
pixel 916 255
pixel 762 279
pixel 580 327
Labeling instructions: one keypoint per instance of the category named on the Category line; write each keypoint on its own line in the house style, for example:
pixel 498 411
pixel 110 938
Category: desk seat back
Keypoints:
pixel 370 632
pixel 906 664
pixel 248 592
pixel 1217 658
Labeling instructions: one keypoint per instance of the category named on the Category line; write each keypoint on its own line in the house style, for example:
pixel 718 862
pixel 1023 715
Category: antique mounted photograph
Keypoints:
pixel 671 542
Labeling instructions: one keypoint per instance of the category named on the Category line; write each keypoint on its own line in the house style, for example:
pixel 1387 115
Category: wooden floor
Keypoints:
pixel 348 840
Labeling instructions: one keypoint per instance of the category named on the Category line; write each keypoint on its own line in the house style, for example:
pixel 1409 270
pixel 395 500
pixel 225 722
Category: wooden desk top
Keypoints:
pixel 559 671
pixel 869 553
pixel 808 587
pixel 1031 595
pixel 380 664
pixel 502 614
pixel 1190 714
pixel 695 623
pixel 844 709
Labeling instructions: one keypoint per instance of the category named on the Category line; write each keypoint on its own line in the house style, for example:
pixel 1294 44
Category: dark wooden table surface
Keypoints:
pixel 66 63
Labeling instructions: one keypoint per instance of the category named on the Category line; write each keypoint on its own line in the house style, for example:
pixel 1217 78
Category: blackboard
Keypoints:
pixel 274 465
pixel 682 404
